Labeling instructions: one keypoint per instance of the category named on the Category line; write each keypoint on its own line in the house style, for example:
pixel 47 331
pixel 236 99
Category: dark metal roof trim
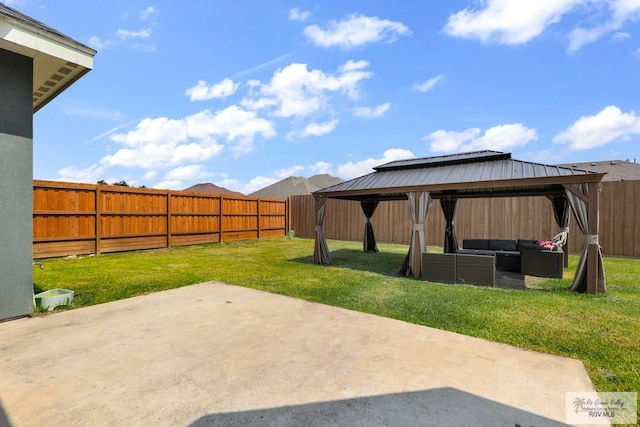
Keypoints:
pixel 450 159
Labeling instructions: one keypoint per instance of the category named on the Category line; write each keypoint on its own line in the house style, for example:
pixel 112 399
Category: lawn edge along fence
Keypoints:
pixel 74 219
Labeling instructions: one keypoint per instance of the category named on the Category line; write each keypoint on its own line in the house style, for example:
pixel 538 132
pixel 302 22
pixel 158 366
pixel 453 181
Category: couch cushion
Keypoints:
pixel 503 245
pixel 475 244
pixel 526 241
pixel 530 246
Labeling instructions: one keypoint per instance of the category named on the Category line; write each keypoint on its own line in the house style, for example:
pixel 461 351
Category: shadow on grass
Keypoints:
pixel 385 263
pixel 389 264
pixel 436 407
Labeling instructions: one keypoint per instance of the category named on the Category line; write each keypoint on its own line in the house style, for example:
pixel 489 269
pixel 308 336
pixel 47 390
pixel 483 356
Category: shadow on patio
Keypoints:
pixel 436 407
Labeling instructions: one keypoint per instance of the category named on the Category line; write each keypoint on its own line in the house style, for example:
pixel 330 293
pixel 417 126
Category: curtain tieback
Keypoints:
pixel 591 239
pixel 318 228
pixel 564 230
pixel 418 227
pixel 369 220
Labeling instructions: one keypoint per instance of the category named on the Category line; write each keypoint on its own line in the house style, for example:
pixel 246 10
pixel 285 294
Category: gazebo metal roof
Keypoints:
pixel 476 174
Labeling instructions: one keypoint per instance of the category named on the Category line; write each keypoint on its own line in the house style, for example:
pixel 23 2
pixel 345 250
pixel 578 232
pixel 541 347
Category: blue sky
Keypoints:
pixel 244 93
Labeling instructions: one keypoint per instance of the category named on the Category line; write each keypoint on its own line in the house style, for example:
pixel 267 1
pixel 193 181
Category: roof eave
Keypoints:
pixel 50 52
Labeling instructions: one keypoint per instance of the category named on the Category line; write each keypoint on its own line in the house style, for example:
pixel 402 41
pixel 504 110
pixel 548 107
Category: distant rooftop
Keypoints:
pixel 297 186
pixel 208 187
pixel 616 170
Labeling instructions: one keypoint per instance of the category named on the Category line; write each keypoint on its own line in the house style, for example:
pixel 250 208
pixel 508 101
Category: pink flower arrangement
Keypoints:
pixel 547 244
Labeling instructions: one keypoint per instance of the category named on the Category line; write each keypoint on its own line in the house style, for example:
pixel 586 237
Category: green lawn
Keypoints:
pixel 601 330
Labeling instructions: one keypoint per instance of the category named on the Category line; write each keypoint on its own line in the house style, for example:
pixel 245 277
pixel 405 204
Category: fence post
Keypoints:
pixel 287 215
pixel 258 214
pixel 98 227
pixel 169 219
pixel 221 221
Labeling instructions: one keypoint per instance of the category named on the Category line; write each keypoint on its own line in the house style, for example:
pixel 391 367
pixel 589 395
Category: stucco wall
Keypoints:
pixel 16 175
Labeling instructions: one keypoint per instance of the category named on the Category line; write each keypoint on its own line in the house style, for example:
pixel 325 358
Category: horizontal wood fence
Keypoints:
pixel 73 218
pixel 499 218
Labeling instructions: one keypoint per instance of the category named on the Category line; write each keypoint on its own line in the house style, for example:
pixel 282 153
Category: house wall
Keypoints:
pixel 16 166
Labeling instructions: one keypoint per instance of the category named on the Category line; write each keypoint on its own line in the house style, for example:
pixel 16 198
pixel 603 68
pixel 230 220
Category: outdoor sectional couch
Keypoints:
pixel 477 261
pixel 524 256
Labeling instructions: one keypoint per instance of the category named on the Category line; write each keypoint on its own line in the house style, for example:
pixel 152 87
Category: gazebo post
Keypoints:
pixel 594 224
pixel 321 250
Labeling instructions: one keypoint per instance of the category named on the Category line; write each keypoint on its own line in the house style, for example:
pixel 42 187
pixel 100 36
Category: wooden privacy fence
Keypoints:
pixel 499 218
pixel 82 218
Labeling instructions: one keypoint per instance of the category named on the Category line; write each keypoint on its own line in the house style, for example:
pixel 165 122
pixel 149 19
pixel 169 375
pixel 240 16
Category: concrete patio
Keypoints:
pixel 216 354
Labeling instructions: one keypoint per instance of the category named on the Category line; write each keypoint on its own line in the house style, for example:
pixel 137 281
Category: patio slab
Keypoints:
pixel 216 354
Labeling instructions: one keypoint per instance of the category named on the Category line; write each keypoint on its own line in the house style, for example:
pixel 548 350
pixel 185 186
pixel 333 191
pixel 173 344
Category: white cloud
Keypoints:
pixel 508 22
pixel 500 138
pixel 254 184
pixel 297 14
pixel 202 92
pixel 171 184
pixel 625 9
pixel 143 33
pixel 449 141
pixel 372 113
pixel 91 175
pixel 287 172
pixel 163 142
pixel 426 86
pixel 607 126
pixel 356 30
pixel 518 22
pixel 99 44
pixel 148 176
pixel 186 173
pixel 147 13
pixel 315 129
pixel 622 11
pixel 136 39
pixel 354 169
pixel 321 168
pixel 621 35
pixel 295 91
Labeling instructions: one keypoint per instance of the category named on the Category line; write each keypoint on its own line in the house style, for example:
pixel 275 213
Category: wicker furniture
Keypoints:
pixel 541 263
pixel 469 269
pixel 477 270
pixel 523 256
pixel 440 268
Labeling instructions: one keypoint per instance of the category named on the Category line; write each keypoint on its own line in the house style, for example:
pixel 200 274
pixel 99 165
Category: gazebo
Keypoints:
pixel 478 174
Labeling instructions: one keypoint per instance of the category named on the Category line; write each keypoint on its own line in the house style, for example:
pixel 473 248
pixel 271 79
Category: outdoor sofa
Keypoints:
pixel 526 257
pixel 476 263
